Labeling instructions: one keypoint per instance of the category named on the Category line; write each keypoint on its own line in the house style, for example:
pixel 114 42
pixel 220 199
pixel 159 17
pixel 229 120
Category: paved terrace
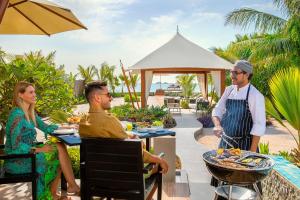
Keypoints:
pixel 187 149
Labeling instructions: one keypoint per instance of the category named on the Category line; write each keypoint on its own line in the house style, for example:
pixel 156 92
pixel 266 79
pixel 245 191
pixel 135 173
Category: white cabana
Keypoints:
pixel 177 56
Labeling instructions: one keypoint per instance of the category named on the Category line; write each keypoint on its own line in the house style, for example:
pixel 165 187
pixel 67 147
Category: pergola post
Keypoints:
pixel 143 89
pixel 205 85
pixel 223 80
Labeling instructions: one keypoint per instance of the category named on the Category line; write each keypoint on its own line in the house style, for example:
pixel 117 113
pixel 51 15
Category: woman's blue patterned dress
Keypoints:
pixel 20 138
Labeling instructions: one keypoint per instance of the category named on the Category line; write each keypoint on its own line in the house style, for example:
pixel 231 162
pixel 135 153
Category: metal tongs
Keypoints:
pixel 226 138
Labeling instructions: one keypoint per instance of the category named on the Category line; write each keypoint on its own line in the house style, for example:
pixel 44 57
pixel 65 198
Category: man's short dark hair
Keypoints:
pixel 93 86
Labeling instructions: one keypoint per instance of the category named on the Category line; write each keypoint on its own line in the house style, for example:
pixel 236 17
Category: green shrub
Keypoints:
pixel 184 104
pixel 117 94
pixel 80 100
pixel 127 98
pixel 126 112
pixel 74 154
pixel 54 88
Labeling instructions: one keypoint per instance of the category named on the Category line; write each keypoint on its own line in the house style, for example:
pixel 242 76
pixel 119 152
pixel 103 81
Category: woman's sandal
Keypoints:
pixel 74 193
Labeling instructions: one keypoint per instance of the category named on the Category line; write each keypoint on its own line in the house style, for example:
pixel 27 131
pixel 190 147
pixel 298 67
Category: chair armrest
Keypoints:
pixel 150 166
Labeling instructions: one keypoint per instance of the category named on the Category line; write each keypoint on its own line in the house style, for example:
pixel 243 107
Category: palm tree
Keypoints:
pixel 134 80
pixel 122 80
pixel 285 90
pixel 87 73
pixel 186 82
pixel 106 73
pixel 36 59
pixel 281 37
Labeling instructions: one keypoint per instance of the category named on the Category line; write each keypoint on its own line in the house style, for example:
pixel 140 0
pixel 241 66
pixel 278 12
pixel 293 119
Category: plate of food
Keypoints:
pixel 142 130
pixel 69 131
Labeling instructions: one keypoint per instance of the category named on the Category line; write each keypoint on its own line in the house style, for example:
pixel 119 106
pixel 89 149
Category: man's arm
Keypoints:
pixel 218 130
pixel 218 112
pixel 254 144
pixel 257 109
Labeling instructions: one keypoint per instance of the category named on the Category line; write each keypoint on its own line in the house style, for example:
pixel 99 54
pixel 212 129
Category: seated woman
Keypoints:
pixel 51 158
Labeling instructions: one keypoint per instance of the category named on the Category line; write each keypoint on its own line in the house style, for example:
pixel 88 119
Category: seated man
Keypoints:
pixel 99 123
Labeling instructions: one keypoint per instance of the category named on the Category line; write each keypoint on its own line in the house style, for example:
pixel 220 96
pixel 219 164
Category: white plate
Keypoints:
pixel 64 131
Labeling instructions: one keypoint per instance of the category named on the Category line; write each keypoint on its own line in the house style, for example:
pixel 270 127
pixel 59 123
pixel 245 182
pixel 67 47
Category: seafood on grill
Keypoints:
pixel 235 158
pixel 237 166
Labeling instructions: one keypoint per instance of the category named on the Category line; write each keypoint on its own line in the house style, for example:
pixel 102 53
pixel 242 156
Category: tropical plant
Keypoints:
pixel 285 91
pixel 88 73
pixel 127 98
pixel 53 93
pixel 187 85
pixel 106 73
pixel 74 153
pixel 134 80
pixel 126 112
pixel 122 80
pixel 184 103
pixel 59 116
pixel 264 148
pixel 276 44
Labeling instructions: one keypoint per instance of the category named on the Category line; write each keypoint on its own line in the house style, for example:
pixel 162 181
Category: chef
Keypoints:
pixel 239 116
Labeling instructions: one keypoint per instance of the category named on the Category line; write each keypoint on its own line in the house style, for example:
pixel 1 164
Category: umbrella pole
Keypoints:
pixel 3 6
pixel 134 91
pixel 127 84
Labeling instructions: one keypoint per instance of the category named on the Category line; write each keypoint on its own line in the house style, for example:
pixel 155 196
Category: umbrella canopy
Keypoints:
pixel 36 17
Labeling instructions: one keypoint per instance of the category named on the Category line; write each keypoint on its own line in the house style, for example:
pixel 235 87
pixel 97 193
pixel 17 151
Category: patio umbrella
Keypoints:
pixel 36 17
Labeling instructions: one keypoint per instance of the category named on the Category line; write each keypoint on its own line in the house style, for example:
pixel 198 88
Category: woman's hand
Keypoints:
pixel 46 148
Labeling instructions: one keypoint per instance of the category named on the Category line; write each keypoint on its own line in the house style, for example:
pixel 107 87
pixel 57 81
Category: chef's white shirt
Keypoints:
pixel 256 103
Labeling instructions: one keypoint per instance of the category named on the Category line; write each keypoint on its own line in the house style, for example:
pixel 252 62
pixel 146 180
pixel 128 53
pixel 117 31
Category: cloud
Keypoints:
pixel 100 17
pixel 262 6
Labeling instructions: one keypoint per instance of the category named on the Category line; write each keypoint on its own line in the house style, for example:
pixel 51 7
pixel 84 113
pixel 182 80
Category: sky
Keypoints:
pixel 131 29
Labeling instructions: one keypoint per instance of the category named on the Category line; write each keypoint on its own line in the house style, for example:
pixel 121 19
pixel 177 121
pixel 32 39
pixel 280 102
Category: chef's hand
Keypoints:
pixel 218 131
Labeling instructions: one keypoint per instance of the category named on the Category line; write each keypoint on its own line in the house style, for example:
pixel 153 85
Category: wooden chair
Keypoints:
pixel 114 168
pixel 6 178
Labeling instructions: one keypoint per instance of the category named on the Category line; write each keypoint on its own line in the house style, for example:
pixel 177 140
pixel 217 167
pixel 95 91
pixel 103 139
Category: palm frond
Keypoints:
pixel 288 7
pixel 272 46
pixel 243 49
pixel 263 22
pixel 285 90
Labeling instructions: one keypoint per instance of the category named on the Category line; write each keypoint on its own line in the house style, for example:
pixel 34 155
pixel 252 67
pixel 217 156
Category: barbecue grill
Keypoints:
pixel 238 176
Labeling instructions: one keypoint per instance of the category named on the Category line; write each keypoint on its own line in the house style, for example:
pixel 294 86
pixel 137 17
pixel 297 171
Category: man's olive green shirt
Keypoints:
pixel 104 125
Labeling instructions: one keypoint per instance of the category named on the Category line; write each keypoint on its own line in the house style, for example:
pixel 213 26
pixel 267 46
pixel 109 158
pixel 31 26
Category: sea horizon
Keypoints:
pixel 154 87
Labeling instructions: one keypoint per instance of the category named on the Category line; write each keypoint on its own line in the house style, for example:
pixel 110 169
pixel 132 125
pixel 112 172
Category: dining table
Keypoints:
pixel 73 139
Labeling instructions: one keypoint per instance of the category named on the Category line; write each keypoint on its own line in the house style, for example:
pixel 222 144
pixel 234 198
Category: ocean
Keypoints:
pixel 154 87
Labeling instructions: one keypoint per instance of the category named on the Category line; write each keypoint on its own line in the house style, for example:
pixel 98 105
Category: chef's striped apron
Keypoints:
pixel 237 123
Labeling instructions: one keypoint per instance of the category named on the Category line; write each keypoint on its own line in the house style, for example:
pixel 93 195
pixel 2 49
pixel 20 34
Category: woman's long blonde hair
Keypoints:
pixel 18 102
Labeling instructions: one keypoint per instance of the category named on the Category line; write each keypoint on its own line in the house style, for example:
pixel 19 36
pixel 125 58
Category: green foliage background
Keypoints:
pixel 54 88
